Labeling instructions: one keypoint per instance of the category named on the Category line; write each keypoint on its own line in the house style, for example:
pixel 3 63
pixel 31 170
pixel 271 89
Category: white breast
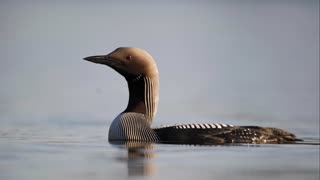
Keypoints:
pixel 131 126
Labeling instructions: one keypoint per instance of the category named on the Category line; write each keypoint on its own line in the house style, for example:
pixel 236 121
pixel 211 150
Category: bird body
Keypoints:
pixel 134 123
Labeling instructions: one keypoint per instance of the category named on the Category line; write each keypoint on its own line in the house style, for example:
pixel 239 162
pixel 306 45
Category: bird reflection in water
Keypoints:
pixel 139 159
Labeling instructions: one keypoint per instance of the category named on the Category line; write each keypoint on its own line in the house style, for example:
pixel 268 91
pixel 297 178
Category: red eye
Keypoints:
pixel 129 57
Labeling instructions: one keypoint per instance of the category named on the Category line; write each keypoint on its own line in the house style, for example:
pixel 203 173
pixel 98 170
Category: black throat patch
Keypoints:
pixel 141 96
pixel 136 87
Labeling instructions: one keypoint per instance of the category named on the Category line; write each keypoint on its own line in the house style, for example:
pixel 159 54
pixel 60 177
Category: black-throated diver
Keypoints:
pixel 134 123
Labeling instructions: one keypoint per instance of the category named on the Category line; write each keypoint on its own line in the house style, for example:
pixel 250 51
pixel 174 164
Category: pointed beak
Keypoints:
pixel 110 61
pixel 100 59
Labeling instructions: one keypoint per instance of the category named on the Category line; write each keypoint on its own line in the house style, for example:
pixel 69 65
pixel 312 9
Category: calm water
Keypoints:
pixel 84 153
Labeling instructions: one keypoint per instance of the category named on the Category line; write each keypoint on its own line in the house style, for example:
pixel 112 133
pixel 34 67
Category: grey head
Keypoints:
pixel 141 73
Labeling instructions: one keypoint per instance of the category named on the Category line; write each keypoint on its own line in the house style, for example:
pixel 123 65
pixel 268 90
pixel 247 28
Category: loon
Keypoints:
pixel 134 124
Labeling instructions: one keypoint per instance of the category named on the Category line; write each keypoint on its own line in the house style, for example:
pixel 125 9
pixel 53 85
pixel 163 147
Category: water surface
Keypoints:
pixel 84 153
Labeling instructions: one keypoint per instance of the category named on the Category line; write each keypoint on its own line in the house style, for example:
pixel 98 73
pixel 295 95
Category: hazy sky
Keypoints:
pixel 249 61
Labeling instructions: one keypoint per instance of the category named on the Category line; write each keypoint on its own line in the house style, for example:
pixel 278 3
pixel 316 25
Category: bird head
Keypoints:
pixel 129 62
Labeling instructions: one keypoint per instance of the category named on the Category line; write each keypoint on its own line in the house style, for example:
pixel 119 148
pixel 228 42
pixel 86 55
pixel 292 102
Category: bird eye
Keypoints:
pixel 129 57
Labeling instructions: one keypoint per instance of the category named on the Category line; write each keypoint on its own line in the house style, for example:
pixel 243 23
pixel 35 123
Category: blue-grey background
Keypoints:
pixel 241 62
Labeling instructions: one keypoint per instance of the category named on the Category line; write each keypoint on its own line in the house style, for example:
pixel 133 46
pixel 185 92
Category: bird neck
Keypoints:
pixel 143 96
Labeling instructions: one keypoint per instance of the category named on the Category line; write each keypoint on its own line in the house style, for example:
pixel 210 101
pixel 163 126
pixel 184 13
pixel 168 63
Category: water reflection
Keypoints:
pixel 139 158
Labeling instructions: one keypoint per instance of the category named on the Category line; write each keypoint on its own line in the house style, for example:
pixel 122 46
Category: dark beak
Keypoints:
pixel 100 59
pixel 115 64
